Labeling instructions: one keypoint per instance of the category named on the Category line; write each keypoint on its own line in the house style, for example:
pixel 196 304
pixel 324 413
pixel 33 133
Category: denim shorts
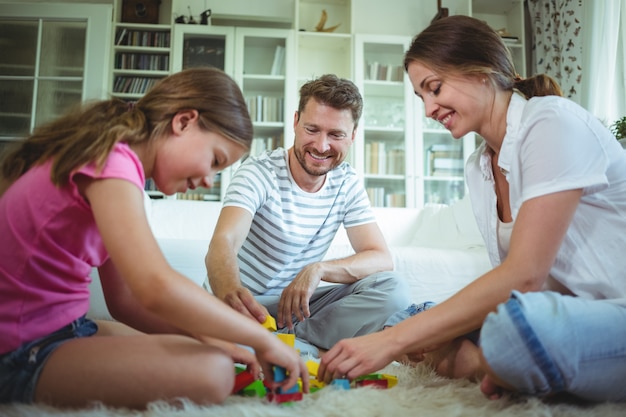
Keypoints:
pixel 21 368
pixel 544 343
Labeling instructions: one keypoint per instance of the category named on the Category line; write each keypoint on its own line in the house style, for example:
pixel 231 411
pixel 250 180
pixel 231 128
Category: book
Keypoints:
pixel 121 34
pixel 279 61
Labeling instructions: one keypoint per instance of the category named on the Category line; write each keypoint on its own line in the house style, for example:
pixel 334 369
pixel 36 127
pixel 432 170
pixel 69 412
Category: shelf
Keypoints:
pixel 322 53
pixel 384 131
pixel 141 54
pixel 389 177
pixel 338 12
pixel 507 15
pixel 142 49
pixel 263 82
pixel 140 73
pixel 245 39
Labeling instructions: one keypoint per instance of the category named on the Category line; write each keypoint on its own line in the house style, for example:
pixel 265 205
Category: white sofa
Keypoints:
pixel 437 249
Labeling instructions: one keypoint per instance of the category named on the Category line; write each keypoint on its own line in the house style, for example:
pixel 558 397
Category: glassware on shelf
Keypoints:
pixel 384 112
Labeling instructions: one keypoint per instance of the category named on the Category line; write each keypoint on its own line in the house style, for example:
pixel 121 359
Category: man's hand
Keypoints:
pixel 294 299
pixel 243 301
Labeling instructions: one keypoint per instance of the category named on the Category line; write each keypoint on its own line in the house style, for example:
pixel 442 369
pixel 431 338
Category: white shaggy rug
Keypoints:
pixel 419 393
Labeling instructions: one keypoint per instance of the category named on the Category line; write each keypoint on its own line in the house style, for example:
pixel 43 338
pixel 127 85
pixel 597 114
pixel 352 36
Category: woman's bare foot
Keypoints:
pixel 458 359
pixel 489 387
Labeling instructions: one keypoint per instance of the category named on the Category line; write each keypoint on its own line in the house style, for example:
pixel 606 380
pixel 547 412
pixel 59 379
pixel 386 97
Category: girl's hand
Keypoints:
pixel 277 353
pixel 244 356
pixel 237 353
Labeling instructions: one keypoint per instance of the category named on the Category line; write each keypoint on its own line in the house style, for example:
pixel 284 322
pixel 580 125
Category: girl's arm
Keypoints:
pixel 118 209
pixel 124 307
pixel 162 292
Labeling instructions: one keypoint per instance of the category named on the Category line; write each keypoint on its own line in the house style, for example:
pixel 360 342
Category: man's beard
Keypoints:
pixel 317 171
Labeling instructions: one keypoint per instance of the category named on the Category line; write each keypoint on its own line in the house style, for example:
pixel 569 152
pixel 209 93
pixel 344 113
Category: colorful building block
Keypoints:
pixel 280 374
pixel 375 383
pixel 288 339
pixel 313 367
pixel 284 398
pixel 256 389
pixel 341 383
pixel 270 323
pixel 391 379
pixel 242 380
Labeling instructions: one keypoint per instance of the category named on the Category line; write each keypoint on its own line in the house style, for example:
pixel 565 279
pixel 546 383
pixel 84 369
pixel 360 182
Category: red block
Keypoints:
pixel 242 380
pixel 284 398
pixel 376 383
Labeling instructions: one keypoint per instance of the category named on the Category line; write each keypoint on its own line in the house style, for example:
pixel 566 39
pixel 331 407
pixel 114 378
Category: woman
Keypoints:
pixel 548 188
pixel 71 199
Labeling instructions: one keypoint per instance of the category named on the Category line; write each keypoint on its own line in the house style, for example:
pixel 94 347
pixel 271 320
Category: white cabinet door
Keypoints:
pixel 54 56
pixel 264 67
pixel 204 46
pixel 384 150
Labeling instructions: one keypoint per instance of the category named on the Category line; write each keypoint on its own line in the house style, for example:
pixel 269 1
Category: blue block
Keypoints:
pixel 341 383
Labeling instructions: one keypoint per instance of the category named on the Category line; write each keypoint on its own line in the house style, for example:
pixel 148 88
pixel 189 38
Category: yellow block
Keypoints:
pixel 289 339
pixel 313 367
pixel 270 323
pixel 314 383
pixel 392 380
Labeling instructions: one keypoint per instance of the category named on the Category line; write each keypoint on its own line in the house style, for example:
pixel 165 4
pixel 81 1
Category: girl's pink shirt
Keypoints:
pixel 49 244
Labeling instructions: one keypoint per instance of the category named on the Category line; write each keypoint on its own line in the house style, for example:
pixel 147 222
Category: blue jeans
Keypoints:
pixel 410 311
pixel 21 368
pixel 545 343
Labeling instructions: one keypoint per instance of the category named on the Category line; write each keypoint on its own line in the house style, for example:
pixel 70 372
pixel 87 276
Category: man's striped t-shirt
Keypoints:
pixel 291 228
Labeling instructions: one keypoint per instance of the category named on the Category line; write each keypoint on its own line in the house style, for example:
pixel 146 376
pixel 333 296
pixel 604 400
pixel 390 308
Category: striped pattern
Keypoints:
pixel 291 228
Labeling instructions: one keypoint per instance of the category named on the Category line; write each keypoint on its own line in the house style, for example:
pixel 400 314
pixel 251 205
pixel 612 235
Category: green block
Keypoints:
pixel 256 389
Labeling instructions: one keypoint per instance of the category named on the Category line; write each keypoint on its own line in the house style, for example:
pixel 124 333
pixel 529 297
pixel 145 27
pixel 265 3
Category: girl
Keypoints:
pixel 72 198
pixel 548 188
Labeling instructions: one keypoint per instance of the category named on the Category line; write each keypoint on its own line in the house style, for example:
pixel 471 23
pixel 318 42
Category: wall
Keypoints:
pixel 404 17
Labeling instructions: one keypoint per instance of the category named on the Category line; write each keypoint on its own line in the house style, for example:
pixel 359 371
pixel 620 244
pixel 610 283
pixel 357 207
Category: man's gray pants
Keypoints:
pixel 341 311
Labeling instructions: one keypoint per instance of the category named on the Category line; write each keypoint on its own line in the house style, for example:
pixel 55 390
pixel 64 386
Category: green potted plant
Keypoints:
pixel 619 130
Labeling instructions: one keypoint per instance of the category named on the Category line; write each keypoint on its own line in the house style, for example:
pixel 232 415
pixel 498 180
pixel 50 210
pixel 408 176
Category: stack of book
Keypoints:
pixel 265 108
pixel 383 72
pixel 443 160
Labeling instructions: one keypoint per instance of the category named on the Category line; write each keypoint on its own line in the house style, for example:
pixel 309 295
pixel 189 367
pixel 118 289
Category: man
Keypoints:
pixel 280 214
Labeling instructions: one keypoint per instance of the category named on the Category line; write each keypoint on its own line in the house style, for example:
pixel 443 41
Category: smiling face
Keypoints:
pixel 460 104
pixel 191 157
pixel 323 136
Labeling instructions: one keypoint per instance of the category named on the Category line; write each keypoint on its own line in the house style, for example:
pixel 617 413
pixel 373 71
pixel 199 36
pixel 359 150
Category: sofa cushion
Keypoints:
pixel 435 274
pixel 443 226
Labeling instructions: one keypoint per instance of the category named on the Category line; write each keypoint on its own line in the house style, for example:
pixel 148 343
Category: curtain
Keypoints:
pixel 557 42
pixel 582 44
pixel 604 59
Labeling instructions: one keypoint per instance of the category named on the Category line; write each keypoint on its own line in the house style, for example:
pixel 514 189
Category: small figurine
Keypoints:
pixel 191 20
pixel 204 17
pixel 320 25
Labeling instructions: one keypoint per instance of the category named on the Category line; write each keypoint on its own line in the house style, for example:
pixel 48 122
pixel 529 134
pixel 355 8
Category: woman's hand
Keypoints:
pixel 351 358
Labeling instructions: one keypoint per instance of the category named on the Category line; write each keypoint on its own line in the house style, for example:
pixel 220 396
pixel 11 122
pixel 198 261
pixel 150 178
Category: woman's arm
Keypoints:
pixel 537 235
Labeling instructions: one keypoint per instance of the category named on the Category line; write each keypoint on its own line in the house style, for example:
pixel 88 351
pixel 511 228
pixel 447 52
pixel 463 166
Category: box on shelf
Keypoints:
pixel 140 11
